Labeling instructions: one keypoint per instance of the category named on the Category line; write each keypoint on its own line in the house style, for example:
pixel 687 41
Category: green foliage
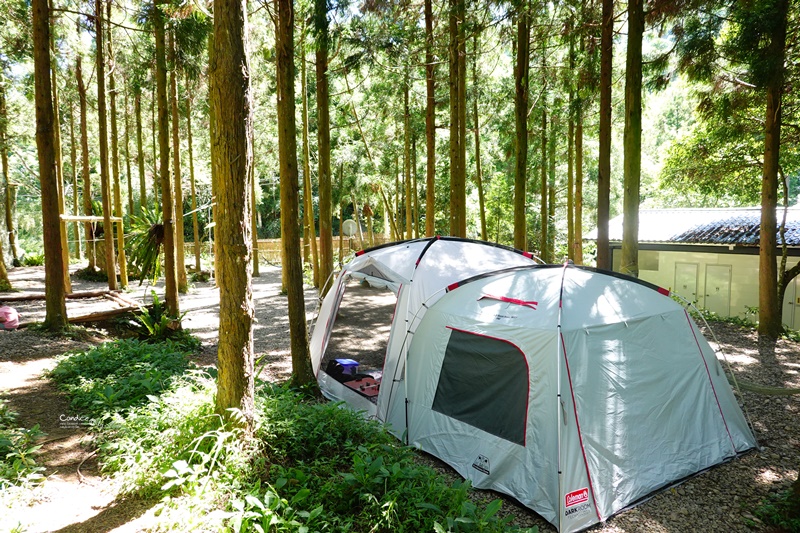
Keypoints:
pixel 33 260
pixel 326 465
pixel 118 375
pixel 144 245
pixel 779 511
pixel 17 451
pixel 158 326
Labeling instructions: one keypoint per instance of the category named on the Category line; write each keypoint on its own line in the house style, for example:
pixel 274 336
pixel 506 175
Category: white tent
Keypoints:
pixel 575 391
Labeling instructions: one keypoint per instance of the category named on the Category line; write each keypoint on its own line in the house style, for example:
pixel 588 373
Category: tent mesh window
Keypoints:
pixel 484 382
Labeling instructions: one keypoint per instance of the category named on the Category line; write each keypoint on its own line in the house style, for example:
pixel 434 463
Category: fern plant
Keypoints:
pixel 144 245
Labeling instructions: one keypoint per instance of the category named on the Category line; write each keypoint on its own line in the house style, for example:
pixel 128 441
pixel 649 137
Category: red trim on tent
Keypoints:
pixel 360 252
pixel 453 286
pixel 663 291
pixel 708 373
pixel 529 255
pixel 528 395
pixel 578 424
pixel 525 303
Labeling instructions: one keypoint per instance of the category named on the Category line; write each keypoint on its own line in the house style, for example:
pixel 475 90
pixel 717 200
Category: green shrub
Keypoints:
pixel 118 375
pixel 33 260
pixel 17 451
pixel 776 511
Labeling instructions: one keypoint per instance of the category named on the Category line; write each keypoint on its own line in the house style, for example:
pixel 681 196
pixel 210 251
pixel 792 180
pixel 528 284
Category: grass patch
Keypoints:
pixel 777 511
pixel 306 466
pixel 118 375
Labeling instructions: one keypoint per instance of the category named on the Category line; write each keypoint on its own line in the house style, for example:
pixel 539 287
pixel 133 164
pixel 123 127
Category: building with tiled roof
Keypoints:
pixel 709 256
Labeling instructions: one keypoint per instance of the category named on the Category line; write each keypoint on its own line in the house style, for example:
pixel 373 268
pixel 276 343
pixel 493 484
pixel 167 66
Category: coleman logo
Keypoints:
pixel 481 464
pixel 577 496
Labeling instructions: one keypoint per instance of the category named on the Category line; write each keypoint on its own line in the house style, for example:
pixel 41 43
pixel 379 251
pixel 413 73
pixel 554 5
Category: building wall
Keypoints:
pixel 720 281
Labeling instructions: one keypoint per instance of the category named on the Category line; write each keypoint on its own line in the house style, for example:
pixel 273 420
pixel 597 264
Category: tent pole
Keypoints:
pixel 559 402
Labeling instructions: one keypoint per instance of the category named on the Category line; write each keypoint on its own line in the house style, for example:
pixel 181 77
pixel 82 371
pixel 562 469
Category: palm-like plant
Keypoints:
pixel 144 246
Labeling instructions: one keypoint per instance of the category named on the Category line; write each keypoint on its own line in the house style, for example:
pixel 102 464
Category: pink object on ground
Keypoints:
pixel 10 318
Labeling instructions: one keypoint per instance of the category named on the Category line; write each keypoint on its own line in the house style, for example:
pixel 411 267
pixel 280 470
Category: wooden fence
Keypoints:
pixel 269 250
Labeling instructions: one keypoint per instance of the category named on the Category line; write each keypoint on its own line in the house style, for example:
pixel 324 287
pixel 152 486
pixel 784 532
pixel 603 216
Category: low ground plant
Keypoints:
pixel 305 466
pixel 18 449
pixel 118 375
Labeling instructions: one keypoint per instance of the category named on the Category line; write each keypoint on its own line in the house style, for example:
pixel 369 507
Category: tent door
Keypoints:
pixel 718 289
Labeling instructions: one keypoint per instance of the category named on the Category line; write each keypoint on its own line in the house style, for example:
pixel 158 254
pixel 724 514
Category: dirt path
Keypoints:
pixel 75 497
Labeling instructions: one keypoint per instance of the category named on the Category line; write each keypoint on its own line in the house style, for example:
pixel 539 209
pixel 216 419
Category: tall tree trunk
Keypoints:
pixel 102 119
pixel 407 158
pixel 458 213
pixel 323 146
pixel 415 185
pixel 476 124
pixel 170 268
pixel 73 158
pixel 56 310
pixel 308 208
pixel 430 124
pixel 570 147
pixel 231 108
pixel 543 240
pixel 128 153
pixel 59 155
pixel 578 235
pixel 154 135
pixel 180 252
pixel 632 140
pixel 192 184
pixel 88 227
pixel 10 189
pixel 551 188
pixel 769 306
pixel 212 123
pixel 254 208
pixel 5 284
pixel 604 154
pixel 398 221
pixel 112 91
pixel 137 105
pixel 521 71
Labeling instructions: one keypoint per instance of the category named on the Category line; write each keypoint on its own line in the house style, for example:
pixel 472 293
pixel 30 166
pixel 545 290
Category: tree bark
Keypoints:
pixel 9 189
pixel 577 247
pixel 102 119
pixel 73 157
pixel 521 72
pixel 476 125
pixel 112 91
pixel 604 154
pixel 570 147
pixel 308 208
pixel 430 124
pixel 323 147
pixel 632 140
pixel 137 105
pixel 56 310
pixel 59 155
pixel 128 153
pixel 769 306
pixel 458 194
pixel 167 203
pixel 543 251
pixel 192 184
pixel 88 228
pixel 407 159
pixel 180 253
pixel 302 373
pixel 230 105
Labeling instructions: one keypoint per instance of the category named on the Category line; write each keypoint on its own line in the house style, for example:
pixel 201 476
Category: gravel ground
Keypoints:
pixel 721 499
